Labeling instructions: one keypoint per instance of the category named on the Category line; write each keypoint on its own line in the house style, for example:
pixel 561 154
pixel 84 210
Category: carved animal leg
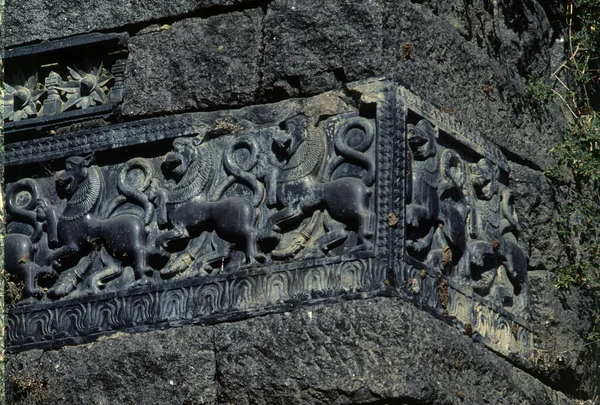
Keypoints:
pixel 335 234
pixel 160 200
pixel 60 253
pixel 139 266
pixel 178 232
pixel 111 271
pixel 364 224
pixel 283 216
pixel 252 255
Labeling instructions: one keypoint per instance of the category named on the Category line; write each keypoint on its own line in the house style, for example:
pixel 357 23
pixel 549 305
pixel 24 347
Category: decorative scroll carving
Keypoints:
pixel 275 195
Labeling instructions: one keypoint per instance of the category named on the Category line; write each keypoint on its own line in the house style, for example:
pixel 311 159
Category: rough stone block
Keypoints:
pixel 363 352
pixel 194 64
pixel 166 367
pixel 466 78
pixel 46 19
pixel 313 46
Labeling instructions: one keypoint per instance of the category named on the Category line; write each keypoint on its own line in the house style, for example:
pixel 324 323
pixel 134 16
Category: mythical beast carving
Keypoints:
pixel 188 208
pixel 22 259
pixel 86 226
pixel 308 181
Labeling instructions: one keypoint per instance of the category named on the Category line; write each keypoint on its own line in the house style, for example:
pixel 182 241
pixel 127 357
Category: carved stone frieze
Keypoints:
pixel 254 214
pixel 213 216
pixel 463 258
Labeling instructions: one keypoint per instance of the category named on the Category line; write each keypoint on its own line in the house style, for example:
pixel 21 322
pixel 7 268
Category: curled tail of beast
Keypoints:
pixel 352 129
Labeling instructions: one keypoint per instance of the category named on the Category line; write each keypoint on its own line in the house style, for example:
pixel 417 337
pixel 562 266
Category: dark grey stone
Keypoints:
pixel 362 352
pixel 564 356
pixel 314 46
pixel 481 84
pixel 379 350
pixel 537 205
pixel 470 61
pixel 165 367
pixel 194 64
pixel 46 19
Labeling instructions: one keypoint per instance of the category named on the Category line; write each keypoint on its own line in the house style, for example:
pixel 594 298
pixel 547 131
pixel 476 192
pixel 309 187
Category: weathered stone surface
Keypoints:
pixel 313 46
pixel 46 19
pixel 359 352
pixel 165 367
pixel 537 205
pixel 375 350
pixel 562 322
pixel 471 61
pixel 194 63
pixel 562 318
pixel 483 88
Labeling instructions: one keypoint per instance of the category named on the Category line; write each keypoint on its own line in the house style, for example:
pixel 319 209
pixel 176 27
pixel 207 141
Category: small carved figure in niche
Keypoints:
pixel 85 89
pixel 305 186
pixel 85 229
pixel 422 208
pixel 454 208
pixel 22 101
pixel 21 251
pixel 484 225
pixel 187 207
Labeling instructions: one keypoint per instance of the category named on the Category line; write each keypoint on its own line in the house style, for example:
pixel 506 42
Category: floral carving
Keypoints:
pixel 86 89
pixel 80 90
pixel 23 101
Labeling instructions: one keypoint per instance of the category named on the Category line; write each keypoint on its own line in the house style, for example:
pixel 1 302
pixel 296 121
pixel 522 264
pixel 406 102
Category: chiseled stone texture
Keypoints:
pixel 313 46
pixel 472 60
pixel 370 351
pixel 562 319
pixel 35 20
pixel 194 63
pixel 176 366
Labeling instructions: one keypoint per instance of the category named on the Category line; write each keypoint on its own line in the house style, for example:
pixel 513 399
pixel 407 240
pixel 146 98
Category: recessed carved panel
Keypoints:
pixel 246 214
pixel 462 257
pixel 63 80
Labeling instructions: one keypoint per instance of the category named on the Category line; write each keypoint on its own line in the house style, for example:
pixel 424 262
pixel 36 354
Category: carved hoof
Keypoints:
pixel 144 281
pixel 63 287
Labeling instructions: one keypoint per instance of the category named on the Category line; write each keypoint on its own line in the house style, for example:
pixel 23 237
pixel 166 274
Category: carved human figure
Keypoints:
pixel 422 207
pixel 451 235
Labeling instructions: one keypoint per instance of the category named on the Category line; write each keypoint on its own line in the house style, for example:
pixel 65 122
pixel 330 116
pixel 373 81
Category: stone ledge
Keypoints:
pixel 350 352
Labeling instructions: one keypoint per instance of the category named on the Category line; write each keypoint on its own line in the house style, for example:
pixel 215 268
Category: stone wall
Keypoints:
pixel 222 63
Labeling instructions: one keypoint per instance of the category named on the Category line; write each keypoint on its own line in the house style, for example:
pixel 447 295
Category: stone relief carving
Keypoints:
pixel 461 220
pixel 214 220
pixel 210 205
pixel 78 90
pixel 54 77
pixel 463 257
